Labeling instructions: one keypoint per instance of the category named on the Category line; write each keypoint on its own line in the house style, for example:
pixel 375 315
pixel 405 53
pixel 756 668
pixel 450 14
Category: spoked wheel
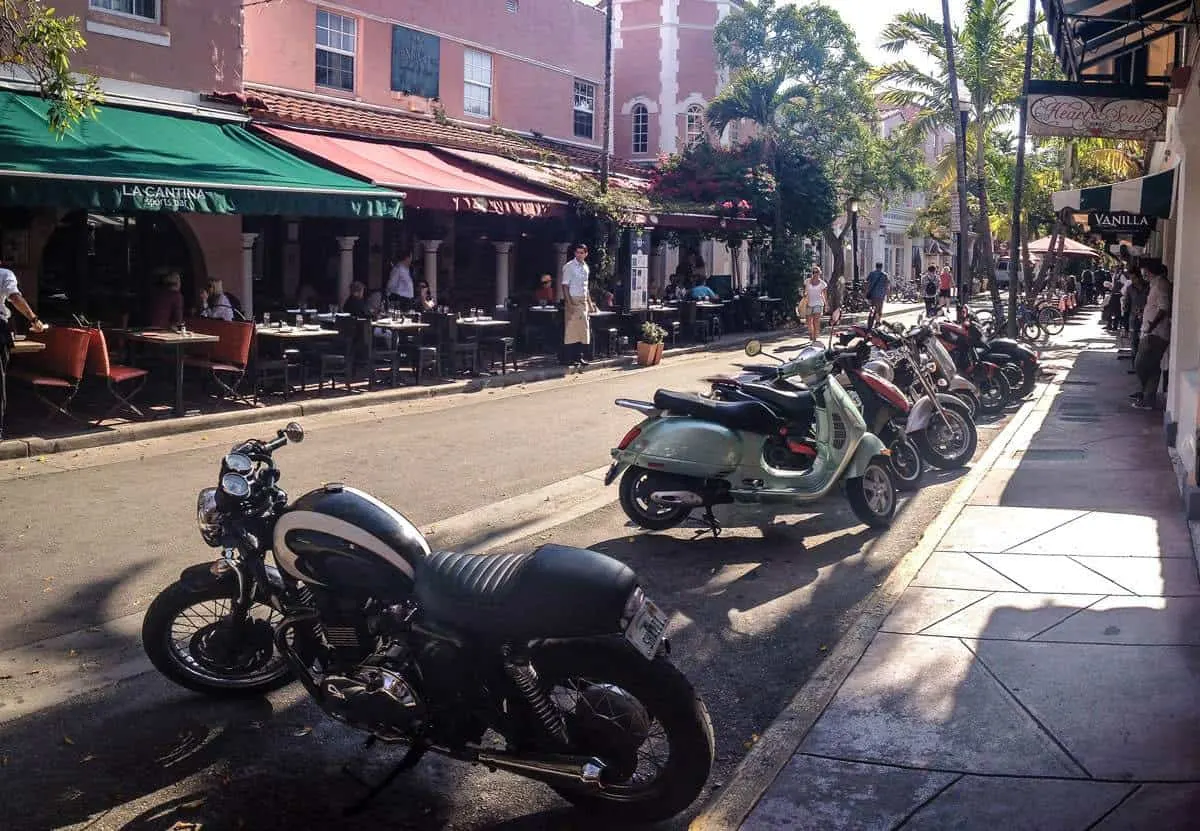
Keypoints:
pixel 641 718
pixel 872 496
pixel 1029 330
pixel 905 463
pixel 1051 319
pixel 637 484
pixel 192 638
pixel 1015 376
pixel 949 442
pixel 970 399
pixel 994 393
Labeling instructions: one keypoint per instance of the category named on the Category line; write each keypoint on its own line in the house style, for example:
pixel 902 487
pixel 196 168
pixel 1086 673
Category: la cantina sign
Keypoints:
pixel 1075 115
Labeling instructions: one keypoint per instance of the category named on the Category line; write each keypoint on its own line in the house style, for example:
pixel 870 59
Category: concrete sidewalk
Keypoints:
pixel 1042 667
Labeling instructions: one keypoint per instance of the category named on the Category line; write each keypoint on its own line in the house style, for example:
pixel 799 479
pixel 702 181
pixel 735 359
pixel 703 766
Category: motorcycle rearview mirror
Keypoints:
pixel 294 432
pixel 753 348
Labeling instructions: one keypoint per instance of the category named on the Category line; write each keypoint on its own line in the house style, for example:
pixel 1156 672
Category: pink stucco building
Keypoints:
pixel 531 66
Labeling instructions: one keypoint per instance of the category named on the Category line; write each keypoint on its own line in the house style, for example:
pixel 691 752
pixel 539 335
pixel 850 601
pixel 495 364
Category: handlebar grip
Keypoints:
pixel 275 444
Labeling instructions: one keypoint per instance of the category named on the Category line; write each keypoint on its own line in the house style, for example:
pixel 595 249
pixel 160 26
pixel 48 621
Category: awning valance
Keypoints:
pixel 429 180
pixel 134 160
pixel 1149 195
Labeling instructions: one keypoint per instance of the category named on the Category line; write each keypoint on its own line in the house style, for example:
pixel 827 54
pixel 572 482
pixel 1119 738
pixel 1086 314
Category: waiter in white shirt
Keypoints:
pixel 10 294
pixel 400 282
pixel 578 304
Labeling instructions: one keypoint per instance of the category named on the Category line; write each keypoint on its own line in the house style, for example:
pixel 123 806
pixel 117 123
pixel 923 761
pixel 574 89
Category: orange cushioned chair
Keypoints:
pixel 115 376
pixel 54 373
pixel 228 357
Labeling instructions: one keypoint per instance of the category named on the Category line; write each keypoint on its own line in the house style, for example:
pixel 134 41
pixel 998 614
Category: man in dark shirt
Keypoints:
pixel 356 303
pixel 877 286
pixel 166 308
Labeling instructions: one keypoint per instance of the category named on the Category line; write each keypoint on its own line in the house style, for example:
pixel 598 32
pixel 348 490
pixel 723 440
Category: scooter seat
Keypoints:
pixel 752 416
pixel 795 406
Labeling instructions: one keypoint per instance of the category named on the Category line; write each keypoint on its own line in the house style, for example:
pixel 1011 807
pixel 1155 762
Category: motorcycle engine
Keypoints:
pixel 377 699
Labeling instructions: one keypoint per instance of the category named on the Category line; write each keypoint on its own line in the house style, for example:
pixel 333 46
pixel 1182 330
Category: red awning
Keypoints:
pixel 429 180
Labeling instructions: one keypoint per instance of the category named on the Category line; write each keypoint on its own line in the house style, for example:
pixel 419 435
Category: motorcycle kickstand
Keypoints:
pixel 410 760
pixel 711 524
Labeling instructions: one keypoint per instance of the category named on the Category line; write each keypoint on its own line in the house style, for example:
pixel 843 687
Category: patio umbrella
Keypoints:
pixel 1070 246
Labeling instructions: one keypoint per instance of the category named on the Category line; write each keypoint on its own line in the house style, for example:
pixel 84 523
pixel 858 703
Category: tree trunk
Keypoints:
pixel 986 262
pixel 837 249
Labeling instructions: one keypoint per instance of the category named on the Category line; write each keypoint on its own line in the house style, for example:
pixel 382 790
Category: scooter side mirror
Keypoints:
pixel 753 348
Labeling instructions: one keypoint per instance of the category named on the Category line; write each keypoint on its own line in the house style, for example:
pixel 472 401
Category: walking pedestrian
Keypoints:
pixel 816 293
pixel 929 290
pixel 945 283
pixel 1156 336
pixel 877 287
pixel 577 333
pixel 10 295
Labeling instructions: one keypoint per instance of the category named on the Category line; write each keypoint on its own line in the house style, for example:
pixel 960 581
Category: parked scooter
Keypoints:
pixel 695 452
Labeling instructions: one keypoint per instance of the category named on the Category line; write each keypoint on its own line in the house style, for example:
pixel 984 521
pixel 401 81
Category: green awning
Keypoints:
pixel 135 160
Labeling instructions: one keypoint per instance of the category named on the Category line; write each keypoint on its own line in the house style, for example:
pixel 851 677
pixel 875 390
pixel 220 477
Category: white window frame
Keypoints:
pixel 337 50
pixel 693 125
pixel 98 5
pixel 473 80
pixel 640 112
pixel 590 109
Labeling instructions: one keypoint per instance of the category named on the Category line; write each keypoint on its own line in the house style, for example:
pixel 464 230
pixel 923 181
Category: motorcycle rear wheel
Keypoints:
pixel 214 659
pixel 970 399
pixel 872 496
pixel 637 484
pixel 581 679
pixel 994 393
pixel 1015 373
pixel 905 464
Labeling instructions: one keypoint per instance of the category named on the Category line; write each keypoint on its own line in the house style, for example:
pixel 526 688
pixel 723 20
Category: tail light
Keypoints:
pixel 629 437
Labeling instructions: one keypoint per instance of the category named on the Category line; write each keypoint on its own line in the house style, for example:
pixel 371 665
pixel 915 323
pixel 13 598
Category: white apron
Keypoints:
pixel 577 329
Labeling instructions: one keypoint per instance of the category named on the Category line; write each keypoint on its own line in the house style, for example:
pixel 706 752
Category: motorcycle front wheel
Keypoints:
pixel 948 445
pixel 872 496
pixel 642 718
pixel 191 637
pixel 994 393
pixel 637 484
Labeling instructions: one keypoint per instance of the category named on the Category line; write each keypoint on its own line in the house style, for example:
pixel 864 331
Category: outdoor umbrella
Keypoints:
pixel 1070 246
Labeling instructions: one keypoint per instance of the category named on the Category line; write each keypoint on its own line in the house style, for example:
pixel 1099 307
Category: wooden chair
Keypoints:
pixel 54 374
pixel 285 370
pixel 123 382
pixel 229 357
pixel 457 354
pixel 386 358
pixel 339 358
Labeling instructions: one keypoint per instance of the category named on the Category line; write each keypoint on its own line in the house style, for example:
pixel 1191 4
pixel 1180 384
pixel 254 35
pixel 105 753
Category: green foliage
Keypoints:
pixel 786 265
pixel 652 333
pixel 36 39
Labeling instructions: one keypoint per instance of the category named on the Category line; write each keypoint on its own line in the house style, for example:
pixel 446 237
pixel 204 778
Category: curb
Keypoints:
pixel 138 431
pixel 778 743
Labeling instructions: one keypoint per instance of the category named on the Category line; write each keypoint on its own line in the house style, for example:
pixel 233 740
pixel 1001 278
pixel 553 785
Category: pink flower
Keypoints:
pixel 743 205
pixel 727 205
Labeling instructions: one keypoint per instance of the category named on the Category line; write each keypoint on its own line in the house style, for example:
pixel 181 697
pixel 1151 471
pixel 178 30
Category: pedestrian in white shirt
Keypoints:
pixel 214 303
pixel 400 282
pixel 10 295
pixel 577 332
pixel 1156 336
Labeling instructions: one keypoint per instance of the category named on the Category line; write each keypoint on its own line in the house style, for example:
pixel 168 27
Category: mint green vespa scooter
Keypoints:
pixel 766 442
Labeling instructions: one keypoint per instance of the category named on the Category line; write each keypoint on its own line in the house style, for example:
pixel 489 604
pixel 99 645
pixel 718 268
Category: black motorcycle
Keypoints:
pixel 558 650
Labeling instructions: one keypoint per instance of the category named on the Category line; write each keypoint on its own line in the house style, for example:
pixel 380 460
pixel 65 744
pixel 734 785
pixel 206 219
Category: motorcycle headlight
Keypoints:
pixel 208 517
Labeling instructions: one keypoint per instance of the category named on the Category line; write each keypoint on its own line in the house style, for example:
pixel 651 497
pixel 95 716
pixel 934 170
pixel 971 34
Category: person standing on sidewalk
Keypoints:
pixel 877 289
pixel 815 293
pixel 1139 293
pixel 930 291
pixel 945 283
pixel 1156 336
pixel 400 282
pixel 10 295
pixel 577 332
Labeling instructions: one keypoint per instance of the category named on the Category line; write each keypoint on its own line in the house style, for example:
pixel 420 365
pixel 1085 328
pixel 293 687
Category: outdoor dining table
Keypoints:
pixel 24 346
pixel 306 332
pixel 168 339
pixel 481 322
pixel 401 326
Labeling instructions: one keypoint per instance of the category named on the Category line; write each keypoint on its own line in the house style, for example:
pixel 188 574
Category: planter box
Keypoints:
pixel 649 354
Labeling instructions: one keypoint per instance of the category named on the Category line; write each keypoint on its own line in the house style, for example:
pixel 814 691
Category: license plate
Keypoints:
pixel 647 628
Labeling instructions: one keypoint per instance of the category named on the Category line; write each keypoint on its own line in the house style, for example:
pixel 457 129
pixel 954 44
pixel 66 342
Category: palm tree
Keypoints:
pixel 989 53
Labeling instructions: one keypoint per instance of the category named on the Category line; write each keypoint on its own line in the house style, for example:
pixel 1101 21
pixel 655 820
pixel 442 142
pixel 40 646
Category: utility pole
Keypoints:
pixel 1015 256
pixel 960 152
pixel 608 95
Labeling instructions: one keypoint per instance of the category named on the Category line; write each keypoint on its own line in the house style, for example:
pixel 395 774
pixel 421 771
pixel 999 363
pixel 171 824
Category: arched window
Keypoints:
pixel 695 125
pixel 641 129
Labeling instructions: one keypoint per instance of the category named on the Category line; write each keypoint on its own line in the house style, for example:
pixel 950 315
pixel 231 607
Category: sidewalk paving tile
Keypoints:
pixel 1124 712
pixel 1051 574
pixel 1141 575
pixel 1079 488
pixel 995 616
pixel 926 702
pixel 815 794
pixel 996 529
pixel 1100 534
pixel 1019 804
pixel 1132 620
pixel 1156 806
pixel 960 570
pixel 920 608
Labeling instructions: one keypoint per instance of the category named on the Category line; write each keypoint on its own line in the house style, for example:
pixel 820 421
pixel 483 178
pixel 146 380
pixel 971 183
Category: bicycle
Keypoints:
pixel 1050 317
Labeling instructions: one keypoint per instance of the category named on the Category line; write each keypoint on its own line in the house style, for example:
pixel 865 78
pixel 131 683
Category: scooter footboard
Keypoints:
pixel 869 446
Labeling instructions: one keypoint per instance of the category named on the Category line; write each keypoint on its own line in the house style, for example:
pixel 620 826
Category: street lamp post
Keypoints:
pixel 854 237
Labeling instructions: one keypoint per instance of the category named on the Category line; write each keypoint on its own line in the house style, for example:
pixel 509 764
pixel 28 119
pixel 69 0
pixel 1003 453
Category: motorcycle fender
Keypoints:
pixel 203 576
pixel 1015 350
pixel 869 446
pixel 614 470
pixel 924 411
pixel 963 384
pixel 684 447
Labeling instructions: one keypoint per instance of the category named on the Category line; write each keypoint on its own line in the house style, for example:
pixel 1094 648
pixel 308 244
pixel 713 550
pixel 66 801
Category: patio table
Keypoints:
pixel 24 347
pixel 175 341
pixel 307 332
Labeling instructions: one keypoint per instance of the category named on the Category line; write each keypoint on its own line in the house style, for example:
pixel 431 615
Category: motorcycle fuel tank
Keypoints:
pixel 349 542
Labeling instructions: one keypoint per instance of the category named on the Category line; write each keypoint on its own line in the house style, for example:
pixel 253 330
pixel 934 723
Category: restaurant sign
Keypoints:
pixel 1089 110
pixel 176 198
pixel 416 62
pixel 510 207
pixel 639 269
pixel 1119 221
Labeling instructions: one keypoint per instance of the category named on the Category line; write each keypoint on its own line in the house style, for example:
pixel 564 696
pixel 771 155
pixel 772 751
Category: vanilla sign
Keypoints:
pixel 1077 115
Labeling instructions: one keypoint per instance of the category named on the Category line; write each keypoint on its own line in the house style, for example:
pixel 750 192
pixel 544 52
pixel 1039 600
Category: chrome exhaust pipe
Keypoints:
pixel 550 768
pixel 677 499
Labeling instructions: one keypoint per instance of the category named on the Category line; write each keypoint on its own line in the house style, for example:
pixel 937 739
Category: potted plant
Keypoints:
pixel 650 344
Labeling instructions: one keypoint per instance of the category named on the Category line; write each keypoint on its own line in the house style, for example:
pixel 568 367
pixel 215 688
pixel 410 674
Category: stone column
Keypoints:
pixel 502 251
pixel 245 291
pixel 345 266
pixel 561 255
pixel 431 247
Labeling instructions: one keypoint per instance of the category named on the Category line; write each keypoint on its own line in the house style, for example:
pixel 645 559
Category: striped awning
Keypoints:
pixel 1150 196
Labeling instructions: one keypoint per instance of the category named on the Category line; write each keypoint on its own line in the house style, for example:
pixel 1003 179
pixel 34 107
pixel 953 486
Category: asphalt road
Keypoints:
pixel 90 538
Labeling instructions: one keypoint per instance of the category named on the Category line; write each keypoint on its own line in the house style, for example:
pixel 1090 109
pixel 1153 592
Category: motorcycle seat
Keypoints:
pixel 552 591
pixel 795 406
pixel 752 416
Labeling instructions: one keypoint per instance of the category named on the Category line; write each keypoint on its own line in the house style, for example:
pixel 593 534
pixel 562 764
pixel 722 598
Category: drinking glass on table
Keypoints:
pixel 266 319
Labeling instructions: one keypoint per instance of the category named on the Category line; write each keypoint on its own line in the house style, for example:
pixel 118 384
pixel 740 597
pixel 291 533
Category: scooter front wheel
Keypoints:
pixel 872 496
pixel 636 486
